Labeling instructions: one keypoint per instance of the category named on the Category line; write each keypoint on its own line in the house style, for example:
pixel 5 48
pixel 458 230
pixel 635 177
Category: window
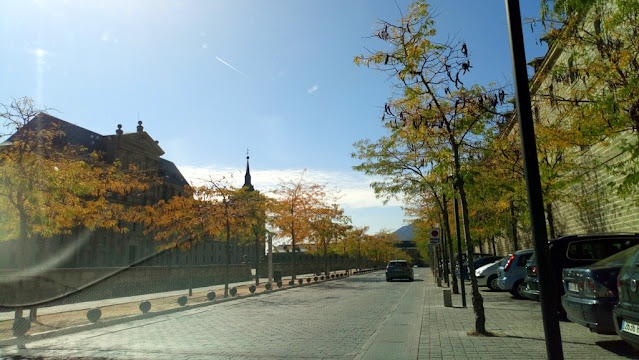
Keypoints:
pixel 523 259
pixel 598 249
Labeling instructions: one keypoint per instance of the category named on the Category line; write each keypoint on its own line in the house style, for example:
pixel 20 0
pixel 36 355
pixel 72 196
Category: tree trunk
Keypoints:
pixel 359 266
pixel 189 264
pixel 494 248
pixel 450 247
pixel 294 263
pixel 513 225
pixel 257 260
pixel 227 247
pixel 444 242
pixel 22 259
pixel 326 265
pixel 481 247
pixel 551 220
pixel 478 300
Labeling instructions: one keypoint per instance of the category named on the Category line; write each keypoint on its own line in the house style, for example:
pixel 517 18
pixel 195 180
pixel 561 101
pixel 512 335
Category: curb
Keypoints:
pixel 149 315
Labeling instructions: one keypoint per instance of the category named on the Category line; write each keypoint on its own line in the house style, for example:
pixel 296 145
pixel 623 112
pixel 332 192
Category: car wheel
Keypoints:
pixel 389 280
pixel 410 279
pixel 492 283
pixel 518 289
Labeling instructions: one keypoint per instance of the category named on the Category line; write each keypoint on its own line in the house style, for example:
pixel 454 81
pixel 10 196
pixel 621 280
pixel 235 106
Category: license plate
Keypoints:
pixel 573 287
pixel 629 327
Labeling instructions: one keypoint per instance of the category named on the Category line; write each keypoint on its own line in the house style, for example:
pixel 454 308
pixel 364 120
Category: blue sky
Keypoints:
pixel 210 79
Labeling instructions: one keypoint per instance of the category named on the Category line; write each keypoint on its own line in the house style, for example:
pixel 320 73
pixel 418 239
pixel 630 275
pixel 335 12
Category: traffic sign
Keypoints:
pixel 434 236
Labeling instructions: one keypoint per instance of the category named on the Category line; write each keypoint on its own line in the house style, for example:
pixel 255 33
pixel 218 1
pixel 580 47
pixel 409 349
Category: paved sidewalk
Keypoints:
pixel 517 324
pixel 137 298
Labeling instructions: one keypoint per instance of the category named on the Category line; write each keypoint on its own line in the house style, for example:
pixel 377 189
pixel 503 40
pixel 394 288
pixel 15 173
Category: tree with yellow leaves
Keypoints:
pixel 297 202
pixel 436 103
pixel 328 224
pixel 217 211
pixel 49 186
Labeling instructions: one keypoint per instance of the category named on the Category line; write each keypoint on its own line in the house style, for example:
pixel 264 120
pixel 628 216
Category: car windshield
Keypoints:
pixel 398 264
pixel 617 259
pixel 258 179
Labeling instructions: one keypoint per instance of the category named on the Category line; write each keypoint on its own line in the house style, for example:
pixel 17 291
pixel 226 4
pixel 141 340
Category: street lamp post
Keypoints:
pixel 533 183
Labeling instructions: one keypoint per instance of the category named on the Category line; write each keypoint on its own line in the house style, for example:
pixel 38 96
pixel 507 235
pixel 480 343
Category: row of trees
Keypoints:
pixel 447 138
pixel 51 186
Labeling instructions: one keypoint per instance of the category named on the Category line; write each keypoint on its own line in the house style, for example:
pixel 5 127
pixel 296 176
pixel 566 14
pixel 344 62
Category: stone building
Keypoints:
pixel 591 204
pixel 106 248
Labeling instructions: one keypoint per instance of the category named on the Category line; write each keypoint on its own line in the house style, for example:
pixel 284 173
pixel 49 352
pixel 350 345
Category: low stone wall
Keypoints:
pixel 313 267
pixel 59 286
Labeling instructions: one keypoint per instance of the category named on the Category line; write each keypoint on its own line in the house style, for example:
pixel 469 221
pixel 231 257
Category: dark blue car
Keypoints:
pixel 591 292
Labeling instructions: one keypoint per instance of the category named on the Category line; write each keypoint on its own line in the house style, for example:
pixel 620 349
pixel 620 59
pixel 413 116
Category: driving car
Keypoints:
pixel 487 274
pixel 399 269
pixel 574 251
pixel 510 275
pixel 591 292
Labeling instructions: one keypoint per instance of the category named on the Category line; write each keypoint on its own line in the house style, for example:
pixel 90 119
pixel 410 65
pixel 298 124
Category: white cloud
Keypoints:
pixel 354 189
pixel 312 89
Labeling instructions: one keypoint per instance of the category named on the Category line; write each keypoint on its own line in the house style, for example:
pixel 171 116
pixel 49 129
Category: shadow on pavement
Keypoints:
pixel 366 279
pixel 543 340
pixel 619 347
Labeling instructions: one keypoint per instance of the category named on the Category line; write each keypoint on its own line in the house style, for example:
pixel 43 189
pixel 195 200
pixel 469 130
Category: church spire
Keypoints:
pixel 247 176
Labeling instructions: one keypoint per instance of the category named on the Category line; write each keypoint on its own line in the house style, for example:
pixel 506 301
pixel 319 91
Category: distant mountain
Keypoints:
pixel 405 233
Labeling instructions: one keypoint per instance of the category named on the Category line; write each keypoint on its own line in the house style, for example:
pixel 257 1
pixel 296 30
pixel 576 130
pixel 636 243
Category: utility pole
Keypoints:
pixel 547 291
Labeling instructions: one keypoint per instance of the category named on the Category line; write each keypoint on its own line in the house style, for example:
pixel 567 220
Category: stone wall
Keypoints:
pixel 59 286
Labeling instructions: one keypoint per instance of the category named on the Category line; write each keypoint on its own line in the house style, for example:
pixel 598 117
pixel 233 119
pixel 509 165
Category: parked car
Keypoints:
pixel 465 259
pixel 510 275
pixel 591 292
pixel 399 269
pixel 478 262
pixel 625 316
pixel 574 251
pixel 487 274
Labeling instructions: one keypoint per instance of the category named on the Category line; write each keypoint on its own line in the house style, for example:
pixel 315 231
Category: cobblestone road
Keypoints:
pixel 329 320
pixel 362 317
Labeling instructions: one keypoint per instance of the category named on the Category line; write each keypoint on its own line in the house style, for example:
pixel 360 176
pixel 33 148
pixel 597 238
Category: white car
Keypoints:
pixel 487 275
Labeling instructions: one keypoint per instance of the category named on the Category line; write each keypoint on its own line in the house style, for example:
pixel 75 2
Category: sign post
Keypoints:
pixel 434 236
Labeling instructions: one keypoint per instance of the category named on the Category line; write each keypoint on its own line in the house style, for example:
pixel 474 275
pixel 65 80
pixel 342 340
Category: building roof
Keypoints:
pixel 76 135
pixel 170 173
pixel 93 141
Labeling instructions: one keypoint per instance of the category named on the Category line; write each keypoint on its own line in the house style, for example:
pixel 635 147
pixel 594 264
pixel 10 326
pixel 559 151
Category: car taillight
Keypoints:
pixel 619 286
pixel 593 289
pixel 509 262
pixel 534 269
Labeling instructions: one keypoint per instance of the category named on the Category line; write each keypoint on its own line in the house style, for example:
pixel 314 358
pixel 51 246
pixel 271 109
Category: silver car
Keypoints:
pixel 487 274
pixel 511 274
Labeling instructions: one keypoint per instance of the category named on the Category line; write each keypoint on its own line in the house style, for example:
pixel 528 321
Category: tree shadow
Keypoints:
pixel 619 347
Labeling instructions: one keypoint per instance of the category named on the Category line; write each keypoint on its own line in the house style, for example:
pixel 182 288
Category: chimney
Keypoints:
pixel 140 127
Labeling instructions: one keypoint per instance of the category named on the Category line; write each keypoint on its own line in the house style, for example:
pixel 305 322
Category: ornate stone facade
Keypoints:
pixel 105 248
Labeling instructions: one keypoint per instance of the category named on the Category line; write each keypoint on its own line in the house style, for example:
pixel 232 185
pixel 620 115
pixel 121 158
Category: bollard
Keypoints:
pixel 448 300
pixel 439 282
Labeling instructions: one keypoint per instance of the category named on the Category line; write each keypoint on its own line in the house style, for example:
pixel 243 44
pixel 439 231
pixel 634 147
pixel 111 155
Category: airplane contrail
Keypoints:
pixel 231 66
